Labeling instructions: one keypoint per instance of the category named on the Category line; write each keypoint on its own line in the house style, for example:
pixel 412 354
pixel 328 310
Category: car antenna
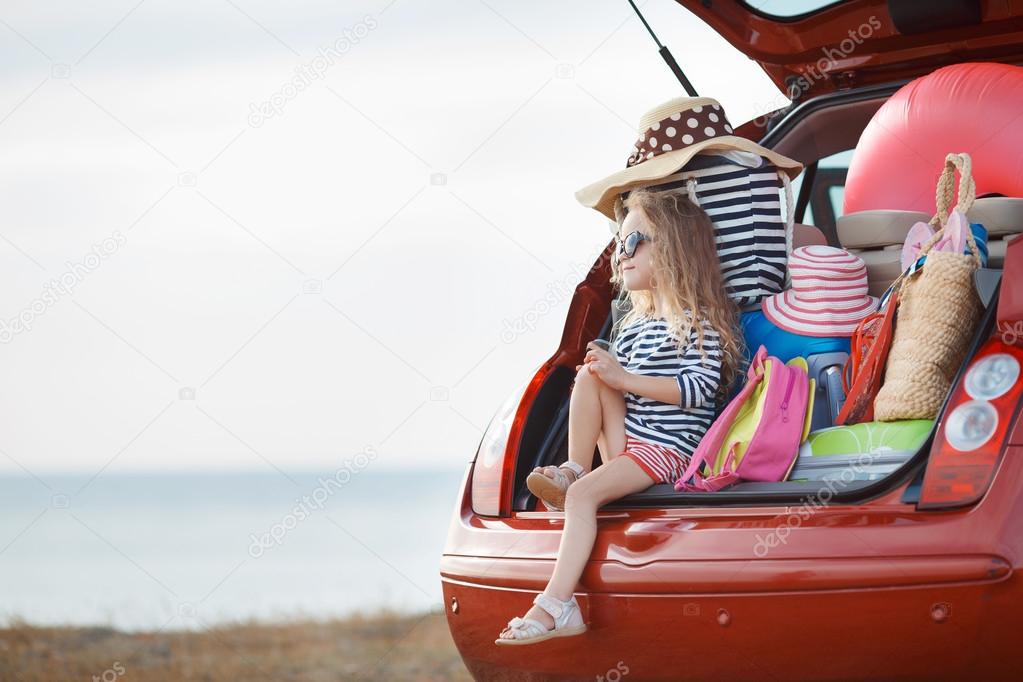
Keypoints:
pixel 666 55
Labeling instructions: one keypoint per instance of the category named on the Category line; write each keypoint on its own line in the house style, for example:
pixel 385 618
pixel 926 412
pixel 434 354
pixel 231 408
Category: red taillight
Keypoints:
pixel 974 428
pixel 494 468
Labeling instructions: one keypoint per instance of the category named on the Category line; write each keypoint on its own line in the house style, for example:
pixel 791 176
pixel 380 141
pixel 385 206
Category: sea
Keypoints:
pixel 192 551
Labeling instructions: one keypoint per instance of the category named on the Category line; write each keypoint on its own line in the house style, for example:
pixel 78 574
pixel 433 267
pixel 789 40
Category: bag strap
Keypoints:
pixel 790 220
pixel 855 364
pixel 943 200
pixel 711 484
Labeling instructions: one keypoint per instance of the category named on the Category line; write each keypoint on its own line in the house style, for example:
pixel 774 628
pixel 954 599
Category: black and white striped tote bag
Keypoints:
pixel 753 233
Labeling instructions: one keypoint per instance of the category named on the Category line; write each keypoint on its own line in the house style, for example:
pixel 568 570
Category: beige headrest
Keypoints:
pixel 875 229
pixel 807 235
pixel 883 266
pixel 999 215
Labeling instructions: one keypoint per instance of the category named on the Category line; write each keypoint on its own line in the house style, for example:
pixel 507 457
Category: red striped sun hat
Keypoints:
pixel 828 295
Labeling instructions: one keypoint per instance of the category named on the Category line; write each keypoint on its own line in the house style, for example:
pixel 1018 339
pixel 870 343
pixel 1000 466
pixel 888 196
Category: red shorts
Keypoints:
pixel 661 463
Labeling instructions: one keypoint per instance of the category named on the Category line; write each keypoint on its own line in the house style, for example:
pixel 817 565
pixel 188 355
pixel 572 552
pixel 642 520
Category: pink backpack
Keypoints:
pixel 757 436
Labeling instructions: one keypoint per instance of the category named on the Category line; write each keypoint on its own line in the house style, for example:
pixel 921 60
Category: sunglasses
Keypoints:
pixel 631 243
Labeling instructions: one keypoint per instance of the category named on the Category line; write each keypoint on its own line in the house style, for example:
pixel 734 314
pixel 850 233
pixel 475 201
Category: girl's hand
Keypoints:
pixel 606 366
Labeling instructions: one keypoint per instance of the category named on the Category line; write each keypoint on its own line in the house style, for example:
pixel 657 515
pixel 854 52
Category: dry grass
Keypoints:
pixel 380 647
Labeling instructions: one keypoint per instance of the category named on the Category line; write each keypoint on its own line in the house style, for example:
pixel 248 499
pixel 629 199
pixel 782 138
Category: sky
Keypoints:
pixel 247 235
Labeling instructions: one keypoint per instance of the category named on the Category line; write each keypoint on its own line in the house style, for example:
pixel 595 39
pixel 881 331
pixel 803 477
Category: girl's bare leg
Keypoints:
pixel 612 435
pixel 618 478
pixel 596 418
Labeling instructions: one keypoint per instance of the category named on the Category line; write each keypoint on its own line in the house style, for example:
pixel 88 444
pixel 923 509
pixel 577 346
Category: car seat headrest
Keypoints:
pixel 999 215
pixel 877 228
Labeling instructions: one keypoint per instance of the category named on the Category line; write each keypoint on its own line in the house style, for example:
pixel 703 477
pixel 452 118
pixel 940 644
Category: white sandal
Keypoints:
pixel 552 490
pixel 568 621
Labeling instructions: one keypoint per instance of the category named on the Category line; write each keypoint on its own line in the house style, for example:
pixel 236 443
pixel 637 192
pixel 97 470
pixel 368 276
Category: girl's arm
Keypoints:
pixel 695 384
pixel 699 378
pixel 608 368
pixel 662 389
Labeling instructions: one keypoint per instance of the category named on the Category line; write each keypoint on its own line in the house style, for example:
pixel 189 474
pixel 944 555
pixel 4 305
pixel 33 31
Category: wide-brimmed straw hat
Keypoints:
pixel 669 136
pixel 828 295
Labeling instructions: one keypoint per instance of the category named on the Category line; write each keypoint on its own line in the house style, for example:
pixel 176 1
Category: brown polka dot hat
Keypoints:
pixel 669 136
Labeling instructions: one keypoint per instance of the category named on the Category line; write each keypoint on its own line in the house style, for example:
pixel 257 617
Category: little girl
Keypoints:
pixel 645 405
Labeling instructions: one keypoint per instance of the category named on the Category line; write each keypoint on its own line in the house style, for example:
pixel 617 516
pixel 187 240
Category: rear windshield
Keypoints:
pixel 789 9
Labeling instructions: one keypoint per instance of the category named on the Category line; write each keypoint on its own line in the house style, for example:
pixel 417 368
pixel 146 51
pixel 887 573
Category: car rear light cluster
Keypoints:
pixel 975 428
pixel 495 459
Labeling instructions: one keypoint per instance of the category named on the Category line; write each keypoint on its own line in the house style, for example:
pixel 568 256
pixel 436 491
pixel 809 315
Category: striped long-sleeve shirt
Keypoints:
pixel 646 347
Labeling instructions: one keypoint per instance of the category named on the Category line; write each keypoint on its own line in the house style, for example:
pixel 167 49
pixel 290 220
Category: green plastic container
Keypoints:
pixel 859 452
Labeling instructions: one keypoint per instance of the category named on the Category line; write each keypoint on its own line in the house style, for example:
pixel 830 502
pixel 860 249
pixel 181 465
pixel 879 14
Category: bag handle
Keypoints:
pixel 756 365
pixel 946 187
pixel 790 223
pixel 943 200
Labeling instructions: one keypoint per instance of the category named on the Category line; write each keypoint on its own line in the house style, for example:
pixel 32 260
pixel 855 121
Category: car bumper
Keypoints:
pixel 951 629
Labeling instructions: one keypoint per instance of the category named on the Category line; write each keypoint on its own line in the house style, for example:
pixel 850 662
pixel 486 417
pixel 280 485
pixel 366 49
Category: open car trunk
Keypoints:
pixel 545 442
pixel 828 121
pixel 855 43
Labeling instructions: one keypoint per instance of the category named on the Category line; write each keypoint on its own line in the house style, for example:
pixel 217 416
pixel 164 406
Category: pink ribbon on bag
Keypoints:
pixel 952 240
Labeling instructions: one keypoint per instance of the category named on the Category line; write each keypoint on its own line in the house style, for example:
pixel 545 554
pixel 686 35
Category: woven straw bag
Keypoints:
pixel 938 311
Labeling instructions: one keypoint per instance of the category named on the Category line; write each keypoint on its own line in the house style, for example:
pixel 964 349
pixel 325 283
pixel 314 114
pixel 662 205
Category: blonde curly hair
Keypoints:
pixel 686 273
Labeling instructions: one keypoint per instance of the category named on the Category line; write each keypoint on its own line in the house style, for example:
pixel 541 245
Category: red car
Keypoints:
pixel 909 577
